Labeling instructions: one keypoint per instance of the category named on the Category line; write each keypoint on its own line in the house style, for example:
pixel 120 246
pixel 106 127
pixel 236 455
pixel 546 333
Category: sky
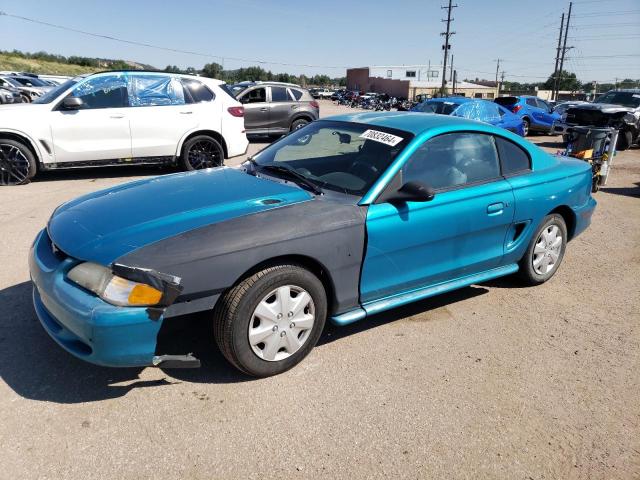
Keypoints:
pixel 328 36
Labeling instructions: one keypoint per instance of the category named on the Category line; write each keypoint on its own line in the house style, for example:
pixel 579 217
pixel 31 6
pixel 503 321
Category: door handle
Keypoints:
pixel 116 116
pixel 495 208
pixel 263 109
pixel 186 113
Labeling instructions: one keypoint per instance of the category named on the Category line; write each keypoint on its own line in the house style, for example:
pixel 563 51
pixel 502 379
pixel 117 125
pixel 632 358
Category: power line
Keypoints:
pixel 167 49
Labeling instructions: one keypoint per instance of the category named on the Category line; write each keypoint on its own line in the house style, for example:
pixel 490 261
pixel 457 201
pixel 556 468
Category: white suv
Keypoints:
pixel 122 117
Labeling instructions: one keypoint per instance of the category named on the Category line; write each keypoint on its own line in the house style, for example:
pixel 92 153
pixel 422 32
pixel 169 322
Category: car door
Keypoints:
pixel 99 130
pixel 547 114
pixel 281 108
pixel 159 114
pixel 537 115
pixel 256 110
pixel 460 232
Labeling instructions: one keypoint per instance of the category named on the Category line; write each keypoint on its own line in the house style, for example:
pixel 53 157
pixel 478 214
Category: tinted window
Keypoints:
pixel 105 91
pixel 453 159
pixel 532 102
pixel 543 105
pixel 514 159
pixel 297 94
pixel 279 94
pixel 199 92
pixel 626 99
pixel 443 108
pixel 52 94
pixel 506 101
pixel 257 95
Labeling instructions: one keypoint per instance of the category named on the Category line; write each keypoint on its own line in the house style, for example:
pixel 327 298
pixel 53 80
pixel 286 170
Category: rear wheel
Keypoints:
pixel 201 152
pixel 545 251
pixel 298 124
pixel 25 98
pixel 271 320
pixel 17 163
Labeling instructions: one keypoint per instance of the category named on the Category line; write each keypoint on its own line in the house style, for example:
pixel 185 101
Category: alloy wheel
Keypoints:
pixel 547 250
pixel 14 166
pixel 204 154
pixel 281 323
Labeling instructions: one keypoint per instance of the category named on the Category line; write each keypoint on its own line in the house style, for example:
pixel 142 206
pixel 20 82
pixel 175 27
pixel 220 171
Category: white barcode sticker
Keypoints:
pixel 382 137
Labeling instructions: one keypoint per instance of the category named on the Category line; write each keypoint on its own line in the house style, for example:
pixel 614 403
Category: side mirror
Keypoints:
pixel 413 192
pixel 72 103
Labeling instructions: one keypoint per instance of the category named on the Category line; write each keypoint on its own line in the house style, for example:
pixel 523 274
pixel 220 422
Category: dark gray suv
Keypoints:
pixel 275 108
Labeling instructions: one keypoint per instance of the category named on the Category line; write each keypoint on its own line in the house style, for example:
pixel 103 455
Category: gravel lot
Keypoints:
pixel 492 381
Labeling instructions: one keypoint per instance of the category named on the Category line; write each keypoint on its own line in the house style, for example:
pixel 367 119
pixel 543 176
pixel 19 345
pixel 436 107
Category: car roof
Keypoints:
pixel 412 122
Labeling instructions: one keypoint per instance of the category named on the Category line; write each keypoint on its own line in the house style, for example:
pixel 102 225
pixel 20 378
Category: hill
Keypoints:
pixel 13 63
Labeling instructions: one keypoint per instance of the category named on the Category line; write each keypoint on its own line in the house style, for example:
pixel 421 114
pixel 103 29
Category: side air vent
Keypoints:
pixel 270 201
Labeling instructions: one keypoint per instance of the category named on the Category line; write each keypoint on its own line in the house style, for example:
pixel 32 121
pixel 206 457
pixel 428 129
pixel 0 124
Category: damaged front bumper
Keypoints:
pixel 82 323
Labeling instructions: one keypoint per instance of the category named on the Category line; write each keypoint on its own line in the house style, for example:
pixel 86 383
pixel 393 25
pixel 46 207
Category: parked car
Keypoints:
pixel 320 93
pixel 559 127
pixel 122 118
pixel 28 90
pixel 338 94
pixel 619 109
pixel 10 95
pixel 344 218
pixel 275 108
pixel 473 109
pixel 536 114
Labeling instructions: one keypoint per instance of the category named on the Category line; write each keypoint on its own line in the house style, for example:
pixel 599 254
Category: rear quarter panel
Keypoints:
pixel 553 182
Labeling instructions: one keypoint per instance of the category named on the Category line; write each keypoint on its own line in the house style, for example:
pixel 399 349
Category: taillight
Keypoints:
pixel 236 111
pixel 516 108
pixel 314 104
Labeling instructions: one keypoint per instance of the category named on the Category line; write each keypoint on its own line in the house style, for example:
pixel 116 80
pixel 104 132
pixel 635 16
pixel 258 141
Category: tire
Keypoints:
pixel 525 126
pixel 533 273
pixel 298 124
pixel 625 138
pixel 26 98
pixel 18 165
pixel 201 151
pixel 565 138
pixel 235 314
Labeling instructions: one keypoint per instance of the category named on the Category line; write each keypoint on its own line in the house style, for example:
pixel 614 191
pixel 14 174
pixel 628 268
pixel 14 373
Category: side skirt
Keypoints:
pixel 414 295
pixel 169 160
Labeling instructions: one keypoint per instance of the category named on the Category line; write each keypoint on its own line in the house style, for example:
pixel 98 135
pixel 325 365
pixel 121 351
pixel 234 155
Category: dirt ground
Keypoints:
pixel 492 381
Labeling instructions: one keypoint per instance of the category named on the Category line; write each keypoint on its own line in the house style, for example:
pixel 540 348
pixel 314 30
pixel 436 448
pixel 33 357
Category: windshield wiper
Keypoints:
pixel 291 173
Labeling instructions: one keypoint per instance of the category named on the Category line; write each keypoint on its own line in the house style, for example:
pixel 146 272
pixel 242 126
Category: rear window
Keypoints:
pixel 513 158
pixel 199 92
pixel 443 108
pixel 506 101
pixel 279 94
pixel 225 88
pixel 297 94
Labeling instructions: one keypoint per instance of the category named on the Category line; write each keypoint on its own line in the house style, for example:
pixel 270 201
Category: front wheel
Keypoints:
pixel 525 126
pixel 271 320
pixel 17 163
pixel 624 141
pixel 201 152
pixel 545 251
pixel 298 124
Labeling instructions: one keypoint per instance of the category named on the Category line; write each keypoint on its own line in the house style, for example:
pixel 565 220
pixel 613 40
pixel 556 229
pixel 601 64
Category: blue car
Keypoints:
pixel 345 218
pixel 473 109
pixel 537 114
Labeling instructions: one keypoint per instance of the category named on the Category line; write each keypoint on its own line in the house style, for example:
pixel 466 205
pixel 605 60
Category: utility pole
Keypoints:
pixel 451 69
pixel 555 69
pixel 501 81
pixel 446 45
pixel 564 50
pixel 454 80
pixel 497 69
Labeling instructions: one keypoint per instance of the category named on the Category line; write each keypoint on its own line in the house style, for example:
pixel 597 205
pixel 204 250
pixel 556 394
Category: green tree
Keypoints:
pixel 212 70
pixel 567 81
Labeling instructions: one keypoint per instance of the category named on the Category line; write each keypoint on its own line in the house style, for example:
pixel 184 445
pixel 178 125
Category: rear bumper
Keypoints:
pixel 83 324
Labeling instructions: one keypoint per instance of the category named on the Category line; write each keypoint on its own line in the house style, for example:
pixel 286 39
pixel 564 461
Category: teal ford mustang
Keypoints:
pixel 346 217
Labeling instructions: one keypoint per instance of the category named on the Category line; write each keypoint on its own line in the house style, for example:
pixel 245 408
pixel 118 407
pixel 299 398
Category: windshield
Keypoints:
pixel 30 81
pixel 626 99
pixel 236 89
pixel 52 94
pixel 443 108
pixel 342 156
pixel 11 81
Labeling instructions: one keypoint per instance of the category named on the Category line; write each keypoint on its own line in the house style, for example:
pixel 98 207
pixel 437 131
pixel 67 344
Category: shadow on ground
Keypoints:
pixel 624 191
pixel 35 367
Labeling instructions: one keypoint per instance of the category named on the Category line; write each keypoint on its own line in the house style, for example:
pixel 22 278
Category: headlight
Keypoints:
pixel 629 118
pixel 113 289
pixel 564 117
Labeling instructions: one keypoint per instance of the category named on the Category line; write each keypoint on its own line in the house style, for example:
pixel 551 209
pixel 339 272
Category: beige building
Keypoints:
pixel 409 81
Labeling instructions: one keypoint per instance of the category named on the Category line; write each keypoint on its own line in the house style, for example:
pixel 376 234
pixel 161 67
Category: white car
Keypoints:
pixel 122 117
